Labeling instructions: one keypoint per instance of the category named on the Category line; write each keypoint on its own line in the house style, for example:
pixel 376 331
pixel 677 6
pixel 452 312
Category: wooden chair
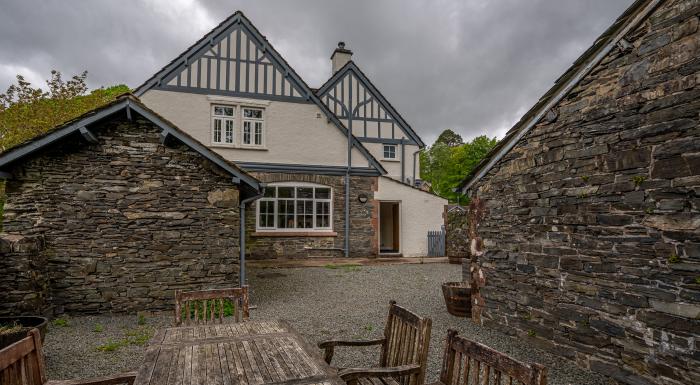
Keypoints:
pixel 404 351
pixel 22 363
pixel 208 306
pixel 470 363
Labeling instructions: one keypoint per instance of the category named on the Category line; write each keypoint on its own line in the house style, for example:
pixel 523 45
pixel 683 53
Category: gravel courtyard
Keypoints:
pixel 322 303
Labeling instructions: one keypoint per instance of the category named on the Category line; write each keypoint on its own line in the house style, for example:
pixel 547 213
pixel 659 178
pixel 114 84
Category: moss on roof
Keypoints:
pixel 22 122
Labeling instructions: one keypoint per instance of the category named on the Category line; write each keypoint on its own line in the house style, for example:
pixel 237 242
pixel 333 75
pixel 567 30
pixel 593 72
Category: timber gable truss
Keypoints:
pixel 352 97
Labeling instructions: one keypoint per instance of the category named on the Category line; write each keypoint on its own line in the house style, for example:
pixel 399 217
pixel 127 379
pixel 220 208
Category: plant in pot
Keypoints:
pixel 13 329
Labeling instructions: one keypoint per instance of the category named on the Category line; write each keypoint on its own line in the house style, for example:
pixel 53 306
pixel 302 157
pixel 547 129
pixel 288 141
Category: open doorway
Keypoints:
pixel 389 228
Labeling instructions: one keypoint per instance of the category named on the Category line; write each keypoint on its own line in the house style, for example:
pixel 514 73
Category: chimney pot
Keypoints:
pixel 341 56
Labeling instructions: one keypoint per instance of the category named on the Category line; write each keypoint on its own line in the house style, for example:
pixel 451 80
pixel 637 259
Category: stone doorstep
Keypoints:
pixel 323 261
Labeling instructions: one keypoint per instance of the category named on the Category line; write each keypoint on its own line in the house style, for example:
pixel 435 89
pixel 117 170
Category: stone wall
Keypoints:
pixel 456 237
pixel 363 222
pixel 24 278
pixel 127 221
pixel 591 232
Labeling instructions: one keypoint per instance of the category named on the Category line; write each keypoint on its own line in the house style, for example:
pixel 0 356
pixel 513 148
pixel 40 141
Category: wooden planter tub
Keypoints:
pixel 27 323
pixel 458 298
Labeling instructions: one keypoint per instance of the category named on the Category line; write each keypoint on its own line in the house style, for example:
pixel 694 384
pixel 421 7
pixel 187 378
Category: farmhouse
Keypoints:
pixel 586 217
pixel 339 163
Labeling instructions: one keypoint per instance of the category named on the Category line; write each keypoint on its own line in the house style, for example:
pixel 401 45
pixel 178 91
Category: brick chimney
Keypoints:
pixel 340 57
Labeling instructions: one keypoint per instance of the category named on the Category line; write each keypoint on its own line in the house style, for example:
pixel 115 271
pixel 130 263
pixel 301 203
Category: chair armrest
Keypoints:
pixel 328 346
pixel 119 379
pixel 351 374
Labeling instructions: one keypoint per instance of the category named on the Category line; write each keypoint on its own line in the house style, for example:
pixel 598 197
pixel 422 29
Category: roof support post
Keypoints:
pixel 241 266
pixel 87 135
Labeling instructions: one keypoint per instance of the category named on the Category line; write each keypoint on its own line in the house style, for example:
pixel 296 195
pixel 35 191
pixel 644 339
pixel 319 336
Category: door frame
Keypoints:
pixel 379 228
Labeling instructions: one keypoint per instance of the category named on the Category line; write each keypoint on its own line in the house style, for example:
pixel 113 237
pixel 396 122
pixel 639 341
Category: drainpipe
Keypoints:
pixel 403 171
pixel 414 166
pixel 241 275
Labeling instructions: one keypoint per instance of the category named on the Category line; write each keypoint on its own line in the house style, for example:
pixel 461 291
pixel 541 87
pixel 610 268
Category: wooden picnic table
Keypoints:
pixel 246 353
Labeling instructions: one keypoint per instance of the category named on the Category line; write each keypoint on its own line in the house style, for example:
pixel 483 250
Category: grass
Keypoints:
pixel 229 307
pixel 11 328
pixel 98 328
pixel 673 258
pixel 141 319
pixel 348 267
pixel 60 322
pixel 132 337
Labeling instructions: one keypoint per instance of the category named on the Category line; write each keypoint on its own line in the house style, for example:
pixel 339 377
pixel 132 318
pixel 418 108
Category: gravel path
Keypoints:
pixel 321 303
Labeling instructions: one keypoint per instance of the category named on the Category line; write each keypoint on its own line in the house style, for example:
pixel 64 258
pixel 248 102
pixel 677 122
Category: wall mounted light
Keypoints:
pixel 362 198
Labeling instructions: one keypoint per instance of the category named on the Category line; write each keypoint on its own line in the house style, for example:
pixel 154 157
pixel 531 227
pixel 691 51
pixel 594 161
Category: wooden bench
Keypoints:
pixel 208 306
pixel 470 363
pixel 22 363
pixel 404 351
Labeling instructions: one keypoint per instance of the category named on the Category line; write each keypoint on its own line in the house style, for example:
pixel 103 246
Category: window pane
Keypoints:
pixel 323 216
pixel 389 151
pixel 305 192
pixel 305 211
pixel 223 111
pixel 258 133
pixel 267 214
pixel 270 192
pixel 251 113
pixel 323 193
pixel 285 214
pixel 217 130
pixel 285 192
pixel 246 132
pixel 229 131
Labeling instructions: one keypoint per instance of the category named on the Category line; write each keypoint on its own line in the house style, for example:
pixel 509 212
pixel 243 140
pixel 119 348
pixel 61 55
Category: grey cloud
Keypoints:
pixel 474 66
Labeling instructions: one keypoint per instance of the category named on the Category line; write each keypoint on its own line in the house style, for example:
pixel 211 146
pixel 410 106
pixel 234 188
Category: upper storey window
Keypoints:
pixel 222 122
pixel 390 151
pixel 253 126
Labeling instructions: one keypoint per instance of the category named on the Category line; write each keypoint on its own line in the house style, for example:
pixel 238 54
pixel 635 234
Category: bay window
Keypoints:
pixel 290 207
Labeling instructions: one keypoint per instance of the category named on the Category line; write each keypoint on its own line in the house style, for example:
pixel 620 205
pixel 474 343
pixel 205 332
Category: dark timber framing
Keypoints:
pixel 306 169
pixel 385 112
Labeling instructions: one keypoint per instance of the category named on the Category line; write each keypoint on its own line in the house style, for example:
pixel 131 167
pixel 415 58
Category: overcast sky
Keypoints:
pixel 471 65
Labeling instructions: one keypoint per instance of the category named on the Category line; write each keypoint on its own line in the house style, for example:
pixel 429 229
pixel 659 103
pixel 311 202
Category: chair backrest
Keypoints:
pixel 466 362
pixel 211 306
pixel 407 339
pixel 22 363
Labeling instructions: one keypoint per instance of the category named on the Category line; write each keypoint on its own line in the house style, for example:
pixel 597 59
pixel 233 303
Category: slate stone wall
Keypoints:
pixel 24 278
pixel 456 231
pixel 127 221
pixel 363 222
pixel 591 232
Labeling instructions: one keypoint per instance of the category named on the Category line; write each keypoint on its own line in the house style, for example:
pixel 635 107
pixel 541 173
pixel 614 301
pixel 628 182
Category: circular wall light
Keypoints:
pixel 362 198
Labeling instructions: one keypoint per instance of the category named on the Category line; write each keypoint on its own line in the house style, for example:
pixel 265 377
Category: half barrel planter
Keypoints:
pixel 458 298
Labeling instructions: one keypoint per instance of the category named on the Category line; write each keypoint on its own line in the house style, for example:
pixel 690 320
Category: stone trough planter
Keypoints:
pixel 458 298
pixel 26 323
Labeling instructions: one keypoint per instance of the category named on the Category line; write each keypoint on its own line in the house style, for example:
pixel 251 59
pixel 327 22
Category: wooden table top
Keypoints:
pixel 248 353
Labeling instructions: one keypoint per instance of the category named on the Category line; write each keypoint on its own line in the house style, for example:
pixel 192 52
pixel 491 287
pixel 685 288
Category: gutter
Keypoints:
pixel 414 165
pixel 241 262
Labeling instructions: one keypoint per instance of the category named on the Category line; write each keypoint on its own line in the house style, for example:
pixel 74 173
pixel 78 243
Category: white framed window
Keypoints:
pixel 295 206
pixel 222 124
pixel 253 127
pixel 389 151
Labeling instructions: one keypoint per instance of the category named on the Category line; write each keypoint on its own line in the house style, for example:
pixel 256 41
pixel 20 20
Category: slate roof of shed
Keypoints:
pixel 123 102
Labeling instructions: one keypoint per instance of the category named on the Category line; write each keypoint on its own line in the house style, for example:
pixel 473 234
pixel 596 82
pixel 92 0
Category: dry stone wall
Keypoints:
pixel 125 222
pixel 591 233
pixel 24 278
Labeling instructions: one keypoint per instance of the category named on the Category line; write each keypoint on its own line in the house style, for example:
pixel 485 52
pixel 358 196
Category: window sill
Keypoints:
pixel 390 160
pixel 294 234
pixel 256 148
pixel 222 145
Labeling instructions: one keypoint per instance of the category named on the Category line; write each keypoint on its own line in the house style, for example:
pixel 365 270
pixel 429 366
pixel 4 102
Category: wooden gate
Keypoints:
pixel 436 243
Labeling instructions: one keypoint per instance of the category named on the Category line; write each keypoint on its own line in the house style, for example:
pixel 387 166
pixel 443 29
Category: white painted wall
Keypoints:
pixel 296 133
pixel 393 167
pixel 420 212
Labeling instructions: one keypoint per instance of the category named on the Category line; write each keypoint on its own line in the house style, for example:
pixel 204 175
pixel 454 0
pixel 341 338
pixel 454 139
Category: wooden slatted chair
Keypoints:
pixel 209 306
pixel 404 351
pixel 470 363
pixel 22 363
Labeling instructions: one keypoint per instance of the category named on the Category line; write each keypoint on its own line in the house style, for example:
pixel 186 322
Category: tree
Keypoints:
pixel 26 112
pixel 450 138
pixel 445 167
